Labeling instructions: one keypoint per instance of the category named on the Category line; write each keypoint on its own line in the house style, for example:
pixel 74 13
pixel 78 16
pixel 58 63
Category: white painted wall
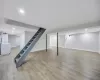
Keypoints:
pixel 22 40
pixel 53 40
pixel 28 36
pixel 18 40
pixel 61 41
pixel 1 11
pixel 83 41
pixel 4 38
pixel 0 38
pixel 99 42
pixel 40 45
pixel 86 41
pixel 14 40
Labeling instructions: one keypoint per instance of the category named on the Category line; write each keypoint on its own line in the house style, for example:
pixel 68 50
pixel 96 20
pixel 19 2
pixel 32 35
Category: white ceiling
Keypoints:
pixel 54 14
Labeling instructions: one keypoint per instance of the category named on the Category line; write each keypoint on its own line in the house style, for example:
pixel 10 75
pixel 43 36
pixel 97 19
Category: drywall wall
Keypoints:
pixel 4 38
pixel 28 36
pixel 14 40
pixel 22 40
pixel 86 41
pixel 0 38
pixel 40 45
pixel 61 41
pixel 1 11
pixel 99 42
pixel 53 40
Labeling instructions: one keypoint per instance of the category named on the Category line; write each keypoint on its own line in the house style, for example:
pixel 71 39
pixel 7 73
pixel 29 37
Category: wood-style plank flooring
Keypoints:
pixel 41 65
pixel 69 65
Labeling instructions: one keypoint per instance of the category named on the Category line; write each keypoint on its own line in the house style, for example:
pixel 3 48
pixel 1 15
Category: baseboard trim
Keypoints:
pixel 76 49
pixel 83 50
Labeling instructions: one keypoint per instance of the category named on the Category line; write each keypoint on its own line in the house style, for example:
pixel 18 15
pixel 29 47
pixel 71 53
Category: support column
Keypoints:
pixel 46 42
pixel 57 46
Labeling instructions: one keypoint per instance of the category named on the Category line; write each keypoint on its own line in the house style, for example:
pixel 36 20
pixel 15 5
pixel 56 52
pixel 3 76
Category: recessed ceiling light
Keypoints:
pixel 21 11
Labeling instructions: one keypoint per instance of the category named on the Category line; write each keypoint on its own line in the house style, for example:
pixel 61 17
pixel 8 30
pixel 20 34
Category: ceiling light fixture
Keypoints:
pixel 21 11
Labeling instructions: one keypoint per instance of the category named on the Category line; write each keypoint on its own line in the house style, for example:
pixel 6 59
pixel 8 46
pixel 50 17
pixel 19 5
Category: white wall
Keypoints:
pixel 40 45
pixel 14 40
pixel 53 40
pixel 4 38
pixel 0 38
pixel 99 42
pixel 28 36
pixel 61 41
pixel 22 40
pixel 83 41
pixel 1 11
pixel 86 41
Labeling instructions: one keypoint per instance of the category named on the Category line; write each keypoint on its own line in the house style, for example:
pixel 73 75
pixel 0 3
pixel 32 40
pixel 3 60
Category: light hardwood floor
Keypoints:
pixel 69 65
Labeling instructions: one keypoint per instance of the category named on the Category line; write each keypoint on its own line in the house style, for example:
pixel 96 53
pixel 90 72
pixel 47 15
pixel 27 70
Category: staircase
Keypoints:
pixel 19 59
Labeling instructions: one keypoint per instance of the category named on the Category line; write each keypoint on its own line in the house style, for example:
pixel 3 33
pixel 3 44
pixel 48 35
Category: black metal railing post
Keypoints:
pixel 46 43
pixel 57 45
